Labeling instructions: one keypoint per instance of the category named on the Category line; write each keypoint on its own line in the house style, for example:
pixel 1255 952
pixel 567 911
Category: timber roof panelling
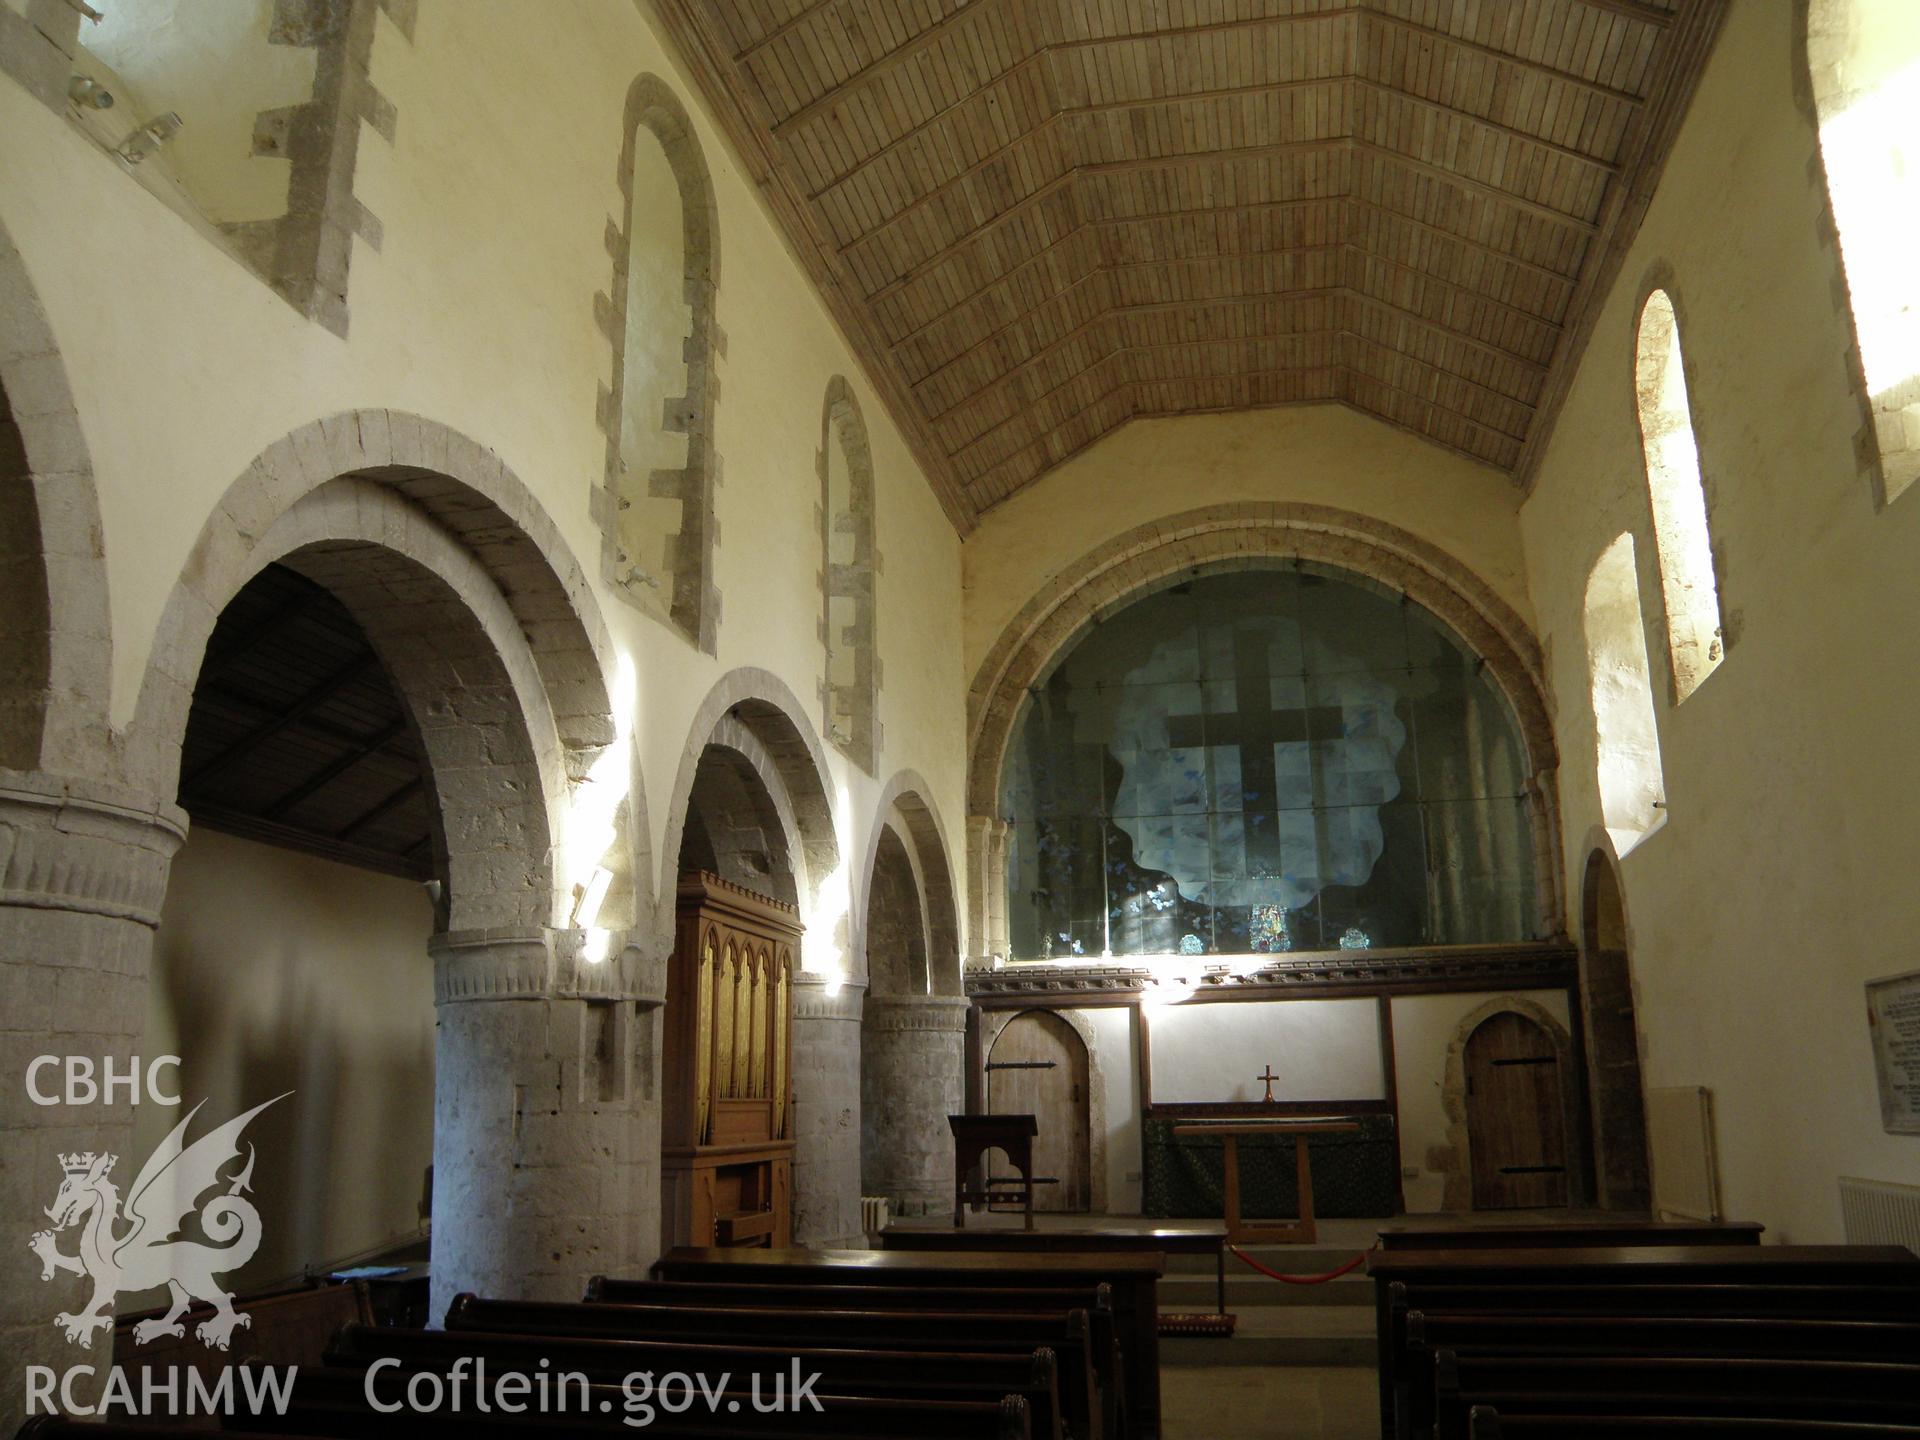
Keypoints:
pixel 1039 218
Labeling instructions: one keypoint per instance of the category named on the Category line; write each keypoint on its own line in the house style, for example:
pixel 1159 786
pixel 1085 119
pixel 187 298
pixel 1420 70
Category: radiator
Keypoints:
pixel 1879 1212
pixel 873 1213
pixel 1680 1146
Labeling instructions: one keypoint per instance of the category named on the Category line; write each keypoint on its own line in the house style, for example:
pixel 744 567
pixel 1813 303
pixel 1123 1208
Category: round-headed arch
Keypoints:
pixel 485 625
pixel 693 604
pixel 1251 534
pixel 54 657
pixel 754 714
pixel 905 800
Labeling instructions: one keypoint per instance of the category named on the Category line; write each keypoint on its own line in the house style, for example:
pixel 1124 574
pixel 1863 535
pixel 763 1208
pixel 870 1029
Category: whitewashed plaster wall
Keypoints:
pixel 334 1001
pixel 477 311
pixel 1311 454
pixel 1215 1051
pixel 1783 878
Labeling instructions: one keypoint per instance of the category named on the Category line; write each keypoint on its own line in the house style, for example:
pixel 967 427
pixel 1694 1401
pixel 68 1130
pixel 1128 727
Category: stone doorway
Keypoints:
pixel 1613 1042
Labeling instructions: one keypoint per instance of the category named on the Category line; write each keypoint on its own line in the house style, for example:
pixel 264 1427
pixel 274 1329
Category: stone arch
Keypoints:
pixel 1622 1165
pixel 55 673
pixel 904 798
pixel 1249 533
pixel 488 631
pixel 994 1021
pixel 736 782
pixel 693 603
pixel 750 704
pixel 1458 1194
pixel 849 577
pixel 894 918
pixel 371 499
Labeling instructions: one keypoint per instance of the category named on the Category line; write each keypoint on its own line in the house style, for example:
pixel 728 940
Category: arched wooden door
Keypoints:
pixel 1039 1067
pixel 1516 1115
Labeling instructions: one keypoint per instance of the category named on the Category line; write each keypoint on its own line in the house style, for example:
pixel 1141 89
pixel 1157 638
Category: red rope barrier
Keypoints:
pixel 1346 1269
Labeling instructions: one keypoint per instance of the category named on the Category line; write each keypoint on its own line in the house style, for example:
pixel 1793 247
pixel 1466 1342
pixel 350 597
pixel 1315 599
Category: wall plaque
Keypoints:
pixel 1893 1017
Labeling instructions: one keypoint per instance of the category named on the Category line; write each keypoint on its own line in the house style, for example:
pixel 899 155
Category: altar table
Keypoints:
pixel 1240 1232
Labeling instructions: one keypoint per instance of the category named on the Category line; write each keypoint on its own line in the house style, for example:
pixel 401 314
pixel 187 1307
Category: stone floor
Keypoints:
pixel 1270 1402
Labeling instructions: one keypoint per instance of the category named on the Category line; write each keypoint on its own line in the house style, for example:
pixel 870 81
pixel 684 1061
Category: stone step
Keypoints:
pixel 1199 1292
pixel 1282 1335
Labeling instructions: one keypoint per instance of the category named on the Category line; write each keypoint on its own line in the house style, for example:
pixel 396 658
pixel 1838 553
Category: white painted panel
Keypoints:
pixel 1120 1081
pixel 1215 1051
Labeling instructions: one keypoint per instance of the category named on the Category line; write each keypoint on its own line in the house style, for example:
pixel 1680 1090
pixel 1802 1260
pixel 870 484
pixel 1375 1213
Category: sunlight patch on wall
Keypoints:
pixel 1864 57
pixel 1633 790
pixel 1694 637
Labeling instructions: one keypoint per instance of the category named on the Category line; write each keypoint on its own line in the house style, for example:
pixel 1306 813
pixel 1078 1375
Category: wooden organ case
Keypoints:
pixel 726 1129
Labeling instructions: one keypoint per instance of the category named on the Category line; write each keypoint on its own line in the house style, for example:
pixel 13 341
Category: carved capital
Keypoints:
pixel 944 1014
pixel 92 849
pixel 492 965
pixel 824 997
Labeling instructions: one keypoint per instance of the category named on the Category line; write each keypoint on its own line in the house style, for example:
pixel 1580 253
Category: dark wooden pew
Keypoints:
pixel 1419 1390
pixel 1095 1300
pixel 843 1418
pixel 1586 1234
pixel 1132 1278
pixel 1625 1386
pixel 1547 1268
pixel 329 1401
pixel 1204 1240
pixel 1651 1334
pixel 1091 1298
pixel 899 1374
pixel 1892 1302
pixel 1489 1424
pixel 1086 1379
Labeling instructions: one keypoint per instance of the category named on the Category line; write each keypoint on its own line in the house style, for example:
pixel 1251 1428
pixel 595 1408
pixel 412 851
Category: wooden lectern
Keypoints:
pixel 726 1127
pixel 973 1136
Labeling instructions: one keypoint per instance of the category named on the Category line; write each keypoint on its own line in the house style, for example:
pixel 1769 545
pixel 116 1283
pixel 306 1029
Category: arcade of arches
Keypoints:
pixel 611 751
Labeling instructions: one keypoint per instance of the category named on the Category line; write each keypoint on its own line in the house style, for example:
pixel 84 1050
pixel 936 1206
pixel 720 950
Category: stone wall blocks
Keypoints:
pixel 53 441
pixel 37 386
pixel 29 989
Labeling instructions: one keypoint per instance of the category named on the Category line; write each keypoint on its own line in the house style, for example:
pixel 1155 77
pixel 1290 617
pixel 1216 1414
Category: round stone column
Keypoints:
pixel 912 1074
pixel 83 871
pixel 546 1116
pixel 826 1111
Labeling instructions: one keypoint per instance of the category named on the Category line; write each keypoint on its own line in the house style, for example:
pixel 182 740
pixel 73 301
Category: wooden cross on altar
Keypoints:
pixel 1268 1076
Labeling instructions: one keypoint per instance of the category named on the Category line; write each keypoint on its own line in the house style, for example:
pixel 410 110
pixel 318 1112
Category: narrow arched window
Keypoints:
pixel 1633 790
pixel 1692 597
pixel 1863 58
pixel 850 688
pixel 656 505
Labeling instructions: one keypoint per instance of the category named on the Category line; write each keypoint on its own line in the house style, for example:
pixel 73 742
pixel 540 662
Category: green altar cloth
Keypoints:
pixel 1353 1173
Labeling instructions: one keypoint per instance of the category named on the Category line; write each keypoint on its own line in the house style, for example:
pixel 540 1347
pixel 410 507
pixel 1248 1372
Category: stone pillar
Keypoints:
pixel 83 870
pixel 912 1071
pixel 987 930
pixel 826 1110
pixel 546 1116
pixel 979 943
pixel 999 941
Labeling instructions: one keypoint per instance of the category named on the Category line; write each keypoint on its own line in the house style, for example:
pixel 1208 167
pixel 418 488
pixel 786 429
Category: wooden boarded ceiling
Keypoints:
pixel 297 737
pixel 1037 219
